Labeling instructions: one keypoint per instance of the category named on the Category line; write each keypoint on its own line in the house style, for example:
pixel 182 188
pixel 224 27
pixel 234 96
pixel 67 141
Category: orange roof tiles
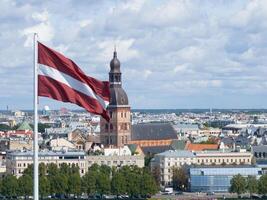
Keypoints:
pixel 201 147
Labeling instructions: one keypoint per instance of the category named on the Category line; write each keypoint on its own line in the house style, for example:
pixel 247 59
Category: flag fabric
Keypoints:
pixel 61 79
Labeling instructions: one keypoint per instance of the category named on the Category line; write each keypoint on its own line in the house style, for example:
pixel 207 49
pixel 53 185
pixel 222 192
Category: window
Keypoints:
pixel 106 127
pixel 121 114
pixel 111 127
pixel 110 114
pixel 125 115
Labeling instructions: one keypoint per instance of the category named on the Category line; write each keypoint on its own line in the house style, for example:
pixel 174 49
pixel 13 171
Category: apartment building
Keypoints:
pixel 167 160
pixel 223 158
pixel 18 161
pixel 117 160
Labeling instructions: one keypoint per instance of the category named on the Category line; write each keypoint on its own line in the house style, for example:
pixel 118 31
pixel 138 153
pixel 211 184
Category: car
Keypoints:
pixel 255 196
pixel 178 193
pixel 165 193
pixel 210 193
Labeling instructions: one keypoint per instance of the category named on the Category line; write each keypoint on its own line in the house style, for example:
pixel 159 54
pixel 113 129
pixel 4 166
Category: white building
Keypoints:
pixel 167 160
pixel 122 151
pixel 18 161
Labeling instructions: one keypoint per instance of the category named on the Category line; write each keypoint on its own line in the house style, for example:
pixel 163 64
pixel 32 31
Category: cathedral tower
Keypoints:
pixel 117 132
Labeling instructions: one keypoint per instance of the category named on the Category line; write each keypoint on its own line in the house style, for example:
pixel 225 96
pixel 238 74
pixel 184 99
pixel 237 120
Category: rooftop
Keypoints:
pixel 177 154
pixel 47 153
pixel 153 131
pixel 201 147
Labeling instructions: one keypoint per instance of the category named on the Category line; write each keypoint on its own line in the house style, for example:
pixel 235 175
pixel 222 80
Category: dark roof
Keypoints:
pixel 115 64
pixel 227 140
pixel 153 131
pixel 156 149
pixel 118 96
pixel 259 148
pixel 178 144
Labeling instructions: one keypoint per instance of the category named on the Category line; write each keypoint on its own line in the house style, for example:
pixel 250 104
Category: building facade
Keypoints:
pixel 18 161
pixel 116 132
pixel 167 160
pixel 223 158
pixel 260 152
pixel 218 179
pixel 117 160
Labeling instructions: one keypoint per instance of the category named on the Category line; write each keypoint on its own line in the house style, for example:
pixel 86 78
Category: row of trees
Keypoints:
pixel 240 184
pixel 67 180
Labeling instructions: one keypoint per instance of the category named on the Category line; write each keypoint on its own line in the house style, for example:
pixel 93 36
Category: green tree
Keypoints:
pixel 180 178
pixel 133 183
pixel 103 183
pixel 118 183
pixel 25 183
pixel 89 182
pixel 29 170
pixel 74 184
pixel 105 170
pixel 60 183
pixel 52 175
pixel 238 184
pixel 148 184
pixel 42 169
pixel 44 186
pixel 252 185
pixel 10 186
pixel 156 174
pixel 263 184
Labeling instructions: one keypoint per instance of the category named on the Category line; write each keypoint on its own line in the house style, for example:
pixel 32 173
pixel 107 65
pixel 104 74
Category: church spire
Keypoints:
pixel 115 73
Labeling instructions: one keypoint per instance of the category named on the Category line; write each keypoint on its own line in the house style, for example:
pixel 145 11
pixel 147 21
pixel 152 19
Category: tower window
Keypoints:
pixel 117 79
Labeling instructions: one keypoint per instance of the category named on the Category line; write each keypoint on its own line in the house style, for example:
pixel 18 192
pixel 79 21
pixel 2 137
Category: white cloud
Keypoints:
pixel 44 29
pixel 123 47
pixel 186 49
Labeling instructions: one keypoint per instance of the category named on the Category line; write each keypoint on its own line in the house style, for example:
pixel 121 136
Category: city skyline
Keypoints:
pixel 174 54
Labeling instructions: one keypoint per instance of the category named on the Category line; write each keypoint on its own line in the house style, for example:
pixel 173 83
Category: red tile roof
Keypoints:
pixel 201 147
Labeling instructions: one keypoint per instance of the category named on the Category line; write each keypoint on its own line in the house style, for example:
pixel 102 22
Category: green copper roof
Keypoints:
pixel 178 144
pixel 24 126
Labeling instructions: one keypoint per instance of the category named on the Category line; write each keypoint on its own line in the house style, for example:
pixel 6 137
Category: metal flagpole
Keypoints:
pixel 35 102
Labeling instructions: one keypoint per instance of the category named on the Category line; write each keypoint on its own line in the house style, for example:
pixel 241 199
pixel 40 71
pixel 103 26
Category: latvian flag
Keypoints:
pixel 61 79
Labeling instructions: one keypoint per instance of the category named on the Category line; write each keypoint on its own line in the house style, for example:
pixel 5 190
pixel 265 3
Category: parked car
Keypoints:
pixel 178 193
pixel 210 193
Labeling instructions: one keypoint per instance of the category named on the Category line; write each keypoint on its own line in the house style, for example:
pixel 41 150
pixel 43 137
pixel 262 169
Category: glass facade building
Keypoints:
pixel 217 179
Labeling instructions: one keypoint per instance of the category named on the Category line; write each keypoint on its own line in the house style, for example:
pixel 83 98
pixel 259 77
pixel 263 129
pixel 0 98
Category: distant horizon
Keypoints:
pixel 149 109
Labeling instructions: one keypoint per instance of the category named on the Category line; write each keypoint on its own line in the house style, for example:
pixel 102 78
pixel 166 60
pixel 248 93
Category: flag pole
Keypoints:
pixel 35 103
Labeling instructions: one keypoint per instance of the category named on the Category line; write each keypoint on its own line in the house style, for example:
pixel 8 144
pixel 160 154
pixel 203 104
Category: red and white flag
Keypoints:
pixel 61 79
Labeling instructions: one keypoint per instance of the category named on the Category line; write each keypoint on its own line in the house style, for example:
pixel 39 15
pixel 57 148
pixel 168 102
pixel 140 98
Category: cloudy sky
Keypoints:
pixel 174 54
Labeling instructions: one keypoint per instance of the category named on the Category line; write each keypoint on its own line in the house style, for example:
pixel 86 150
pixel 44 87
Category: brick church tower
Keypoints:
pixel 117 132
